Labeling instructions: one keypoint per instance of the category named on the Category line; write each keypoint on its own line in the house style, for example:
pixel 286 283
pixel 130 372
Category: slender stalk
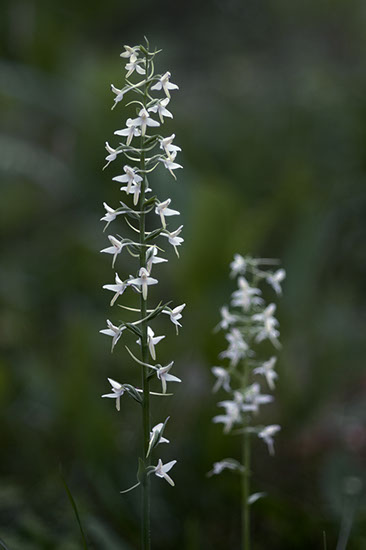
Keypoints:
pixel 245 479
pixel 145 516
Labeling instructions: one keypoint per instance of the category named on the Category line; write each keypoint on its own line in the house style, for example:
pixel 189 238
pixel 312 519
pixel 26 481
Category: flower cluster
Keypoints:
pixel 247 323
pixel 144 149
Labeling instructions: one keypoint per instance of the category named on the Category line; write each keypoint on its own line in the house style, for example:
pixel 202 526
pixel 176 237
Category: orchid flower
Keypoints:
pixel 144 280
pixel 130 131
pixel 175 314
pixel 117 391
pixel 113 331
pixel 162 210
pixel 160 108
pixel 165 84
pixel 161 470
pixel 117 288
pixel 163 374
pixel 144 120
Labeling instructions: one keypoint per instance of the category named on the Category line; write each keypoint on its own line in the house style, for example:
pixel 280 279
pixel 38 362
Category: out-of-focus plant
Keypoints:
pixel 144 152
pixel 248 323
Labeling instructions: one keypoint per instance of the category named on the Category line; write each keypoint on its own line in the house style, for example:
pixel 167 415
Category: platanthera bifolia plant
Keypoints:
pixel 248 323
pixel 145 149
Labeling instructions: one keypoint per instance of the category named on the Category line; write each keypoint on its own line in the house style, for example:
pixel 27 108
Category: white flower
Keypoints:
pixel 162 210
pixel 118 288
pixel 245 296
pixel 130 177
pixel 115 332
pixel 238 348
pixel 166 144
pixel 112 154
pixel 109 215
pixel 161 109
pixel 130 51
pixel 238 266
pixel 170 164
pixel 130 131
pixel 267 435
pixel 161 470
pixel 144 280
pixel 227 318
pixel 163 374
pixel 223 379
pixel 165 84
pixel 233 412
pixel 267 370
pixel 115 249
pixel 152 340
pixel 268 330
pixel 153 258
pixel 156 437
pixel 134 65
pixel 275 280
pixel 144 120
pixel 253 398
pixel 225 464
pixel 173 238
pixel 119 94
pixel 175 314
pixel 118 390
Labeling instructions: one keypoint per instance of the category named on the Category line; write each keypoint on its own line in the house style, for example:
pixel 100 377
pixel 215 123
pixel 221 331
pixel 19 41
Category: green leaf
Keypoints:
pixel 134 329
pixel 132 392
pixel 73 504
pixel 154 234
pixel 3 545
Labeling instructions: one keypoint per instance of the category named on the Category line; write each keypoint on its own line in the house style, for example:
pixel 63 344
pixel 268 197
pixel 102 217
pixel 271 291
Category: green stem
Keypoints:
pixel 145 484
pixel 245 479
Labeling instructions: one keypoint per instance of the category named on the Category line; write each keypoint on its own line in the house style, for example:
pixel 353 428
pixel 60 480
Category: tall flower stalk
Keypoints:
pixel 247 323
pixel 145 150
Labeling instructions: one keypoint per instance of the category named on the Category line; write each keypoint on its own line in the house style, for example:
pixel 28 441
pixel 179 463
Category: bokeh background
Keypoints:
pixel 271 117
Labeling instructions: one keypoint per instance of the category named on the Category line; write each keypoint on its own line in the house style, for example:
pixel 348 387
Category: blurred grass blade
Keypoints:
pixel 3 545
pixel 324 540
pixel 73 504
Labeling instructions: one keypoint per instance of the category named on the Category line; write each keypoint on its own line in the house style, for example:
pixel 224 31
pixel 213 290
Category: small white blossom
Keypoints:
pixel 117 391
pixel 115 249
pixel 225 464
pixel 135 65
pixel 144 280
pixel 113 331
pixel 130 52
pixel 110 215
pixel 267 370
pixel 173 238
pixel 161 470
pixel 163 374
pixel 170 164
pixel 156 437
pixel 119 94
pixel 175 314
pixel 166 144
pixel 152 340
pixel 227 318
pixel 276 279
pixel 130 177
pixel 245 296
pixel 165 84
pixel 153 258
pixel 233 413
pixel 267 435
pixel 130 131
pixel 238 348
pixel 112 154
pixel 223 379
pixel 268 329
pixel 144 120
pixel 162 210
pixel 117 288
pixel 253 398
pixel 238 266
pixel 161 109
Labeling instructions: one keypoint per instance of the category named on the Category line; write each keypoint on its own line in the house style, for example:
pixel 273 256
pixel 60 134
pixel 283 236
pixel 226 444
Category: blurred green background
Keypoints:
pixel 271 117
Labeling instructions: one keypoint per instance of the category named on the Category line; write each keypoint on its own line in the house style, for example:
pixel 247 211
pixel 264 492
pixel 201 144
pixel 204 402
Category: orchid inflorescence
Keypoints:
pixel 145 149
pixel 247 323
